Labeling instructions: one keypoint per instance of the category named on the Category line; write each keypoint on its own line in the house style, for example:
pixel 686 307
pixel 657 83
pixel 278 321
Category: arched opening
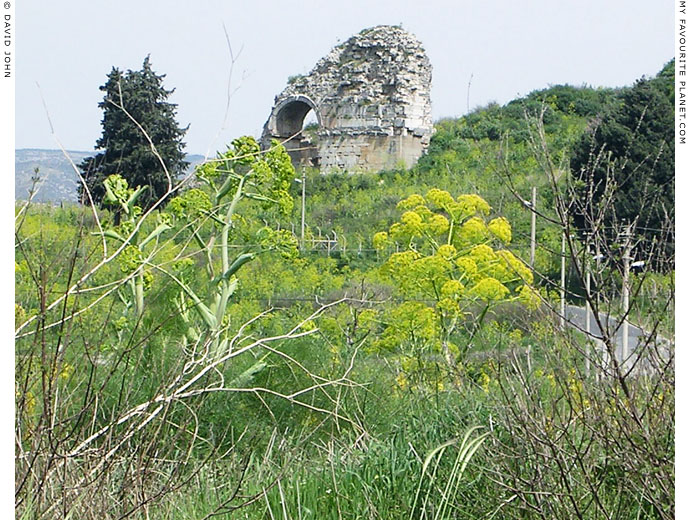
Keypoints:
pixel 296 123
pixel 310 125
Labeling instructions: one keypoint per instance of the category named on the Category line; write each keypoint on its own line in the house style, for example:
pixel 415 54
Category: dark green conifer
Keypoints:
pixel 124 149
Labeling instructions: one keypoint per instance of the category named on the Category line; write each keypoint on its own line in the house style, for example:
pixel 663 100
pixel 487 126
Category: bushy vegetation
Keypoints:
pixel 625 167
pixel 203 361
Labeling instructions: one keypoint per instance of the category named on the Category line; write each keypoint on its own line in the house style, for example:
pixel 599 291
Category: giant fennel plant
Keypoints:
pixel 450 266
pixel 208 214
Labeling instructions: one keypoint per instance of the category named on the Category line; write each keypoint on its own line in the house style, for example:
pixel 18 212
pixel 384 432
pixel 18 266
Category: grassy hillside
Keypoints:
pixel 197 362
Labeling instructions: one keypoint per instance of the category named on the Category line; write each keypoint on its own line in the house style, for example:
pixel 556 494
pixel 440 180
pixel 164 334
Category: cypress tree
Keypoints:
pixel 124 149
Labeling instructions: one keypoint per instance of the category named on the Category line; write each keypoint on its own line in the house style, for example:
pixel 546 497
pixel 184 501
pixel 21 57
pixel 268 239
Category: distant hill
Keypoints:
pixel 58 180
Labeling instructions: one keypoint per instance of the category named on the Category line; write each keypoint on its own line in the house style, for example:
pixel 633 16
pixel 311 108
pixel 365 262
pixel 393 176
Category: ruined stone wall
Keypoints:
pixel 371 98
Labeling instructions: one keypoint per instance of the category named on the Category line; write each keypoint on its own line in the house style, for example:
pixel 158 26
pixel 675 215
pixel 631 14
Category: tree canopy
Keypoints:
pixel 624 166
pixel 136 102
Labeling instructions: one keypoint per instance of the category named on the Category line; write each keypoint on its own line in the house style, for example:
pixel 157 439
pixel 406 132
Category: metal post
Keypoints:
pixel 563 281
pixel 304 205
pixel 533 233
pixel 626 294
pixel 588 307
pixel 600 344
pixel 598 257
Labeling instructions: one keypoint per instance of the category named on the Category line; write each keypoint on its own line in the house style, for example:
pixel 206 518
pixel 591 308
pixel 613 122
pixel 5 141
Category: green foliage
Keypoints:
pixel 131 99
pixel 625 167
pixel 451 264
pixel 132 259
pixel 184 261
pixel 242 173
pixel 439 339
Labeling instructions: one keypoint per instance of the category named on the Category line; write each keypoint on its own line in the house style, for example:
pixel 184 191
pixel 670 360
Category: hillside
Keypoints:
pixel 58 180
pixel 462 156
pixel 477 153
pixel 198 360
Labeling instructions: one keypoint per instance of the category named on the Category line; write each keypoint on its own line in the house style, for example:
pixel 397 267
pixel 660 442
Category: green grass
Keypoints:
pixel 495 440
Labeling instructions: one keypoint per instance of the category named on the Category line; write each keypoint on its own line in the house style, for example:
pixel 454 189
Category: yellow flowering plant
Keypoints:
pixel 449 260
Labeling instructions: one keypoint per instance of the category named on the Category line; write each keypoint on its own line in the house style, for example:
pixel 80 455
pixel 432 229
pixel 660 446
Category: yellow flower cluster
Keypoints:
pixel 474 231
pixel 430 272
pixel 418 222
pixel 462 207
pixel 489 289
pixel 440 199
pixel 529 297
pixel 398 268
pixel 421 218
pixel 512 268
pixel 381 241
pixel 447 251
pixel 472 204
pixel 452 289
pixel 467 268
pixel 411 202
pixel 412 223
pixel 500 228
pixel 449 260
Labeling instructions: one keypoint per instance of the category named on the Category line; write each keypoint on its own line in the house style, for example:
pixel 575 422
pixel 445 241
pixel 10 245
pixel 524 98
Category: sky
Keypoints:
pixel 489 50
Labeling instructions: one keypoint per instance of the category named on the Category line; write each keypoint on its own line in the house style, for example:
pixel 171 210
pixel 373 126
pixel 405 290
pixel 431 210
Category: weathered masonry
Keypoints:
pixel 371 101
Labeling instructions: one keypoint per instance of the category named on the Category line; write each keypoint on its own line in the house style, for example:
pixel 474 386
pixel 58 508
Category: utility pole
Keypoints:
pixel 598 257
pixel 533 233
pixel 563 281
pixel 600 344
pixel 304 205
pixel 588 307
pixel 626 292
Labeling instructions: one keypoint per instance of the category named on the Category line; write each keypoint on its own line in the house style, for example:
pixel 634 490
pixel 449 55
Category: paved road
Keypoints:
pixel 637 339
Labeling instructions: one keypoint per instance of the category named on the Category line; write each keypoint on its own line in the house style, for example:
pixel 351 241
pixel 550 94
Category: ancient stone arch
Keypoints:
pixel 371 99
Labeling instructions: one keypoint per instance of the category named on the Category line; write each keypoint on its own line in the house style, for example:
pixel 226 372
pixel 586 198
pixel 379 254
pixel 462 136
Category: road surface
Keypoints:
pixel 650 352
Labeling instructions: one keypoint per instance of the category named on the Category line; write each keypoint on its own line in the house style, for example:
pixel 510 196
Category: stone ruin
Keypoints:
pixel 371 100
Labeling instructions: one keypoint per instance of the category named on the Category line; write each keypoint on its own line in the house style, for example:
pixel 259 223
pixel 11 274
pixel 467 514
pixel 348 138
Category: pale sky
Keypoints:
pixel 508 48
